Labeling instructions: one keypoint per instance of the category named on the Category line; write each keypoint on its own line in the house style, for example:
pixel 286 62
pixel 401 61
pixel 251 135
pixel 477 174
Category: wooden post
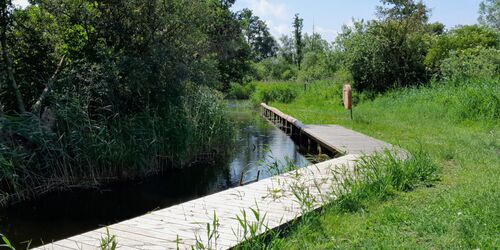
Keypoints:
pixel 348 98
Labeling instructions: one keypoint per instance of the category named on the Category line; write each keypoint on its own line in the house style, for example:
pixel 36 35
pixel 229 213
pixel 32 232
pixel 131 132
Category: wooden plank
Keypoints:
pixel 163 227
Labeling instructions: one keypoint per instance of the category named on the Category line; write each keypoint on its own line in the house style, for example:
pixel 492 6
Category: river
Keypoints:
pixel 258 145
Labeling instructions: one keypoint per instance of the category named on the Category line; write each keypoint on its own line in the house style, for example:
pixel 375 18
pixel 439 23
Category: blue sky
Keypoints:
pixel 330 15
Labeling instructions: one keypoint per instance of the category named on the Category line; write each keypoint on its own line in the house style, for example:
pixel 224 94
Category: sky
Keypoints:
pixel 328 16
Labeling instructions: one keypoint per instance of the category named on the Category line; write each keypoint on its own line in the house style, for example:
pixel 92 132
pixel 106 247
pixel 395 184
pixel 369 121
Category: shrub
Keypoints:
pixel 275 68
pixel 476 62
pixel 240 91
pixel 275 92
pixel 461 38
pixel 379 60
pixel 314 67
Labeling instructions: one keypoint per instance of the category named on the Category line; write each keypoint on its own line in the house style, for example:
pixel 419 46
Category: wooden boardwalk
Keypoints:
pixel 345 141
pixel 264 205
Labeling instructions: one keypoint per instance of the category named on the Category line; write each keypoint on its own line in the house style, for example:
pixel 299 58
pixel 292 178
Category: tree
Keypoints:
pixel 287 49
pixel 297 34
pixel 5 22
pixel 227 41
pixel 133 75
pixel 388 52
pixel 460 38
pixel 257 35
pixel 320 60
pixel 489 13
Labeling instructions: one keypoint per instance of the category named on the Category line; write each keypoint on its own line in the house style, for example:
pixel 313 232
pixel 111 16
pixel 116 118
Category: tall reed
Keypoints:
pixel 85 148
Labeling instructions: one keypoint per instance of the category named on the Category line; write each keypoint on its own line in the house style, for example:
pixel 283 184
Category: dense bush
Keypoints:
pixel 476 62
pixel 315 66
pixel 460 38
pixel 240 91
pixel 275 68
pixel 275 92
pixel 389 52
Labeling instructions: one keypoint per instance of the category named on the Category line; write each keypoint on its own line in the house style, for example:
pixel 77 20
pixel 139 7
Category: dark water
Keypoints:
pixel 60 215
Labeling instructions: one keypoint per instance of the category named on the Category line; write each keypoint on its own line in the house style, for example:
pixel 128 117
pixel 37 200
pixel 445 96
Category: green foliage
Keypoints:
pixel 275 68
pixel 108 242
pixel 476 63
pixel 476 100
pixel 489 13
pixel 239 91
pixel 320 60
pixel 212 236
pixel 271 92
pixel 388 53
pixel 134 95
pixel 309 94
pixel 315 66
pixel 461 38
pixel 6 242
pixel 298 24
pixel 459 210
pixel 83 150
pixel 257 35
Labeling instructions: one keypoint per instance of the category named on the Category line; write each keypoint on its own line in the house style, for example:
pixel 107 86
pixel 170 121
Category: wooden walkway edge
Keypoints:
pixel 222 220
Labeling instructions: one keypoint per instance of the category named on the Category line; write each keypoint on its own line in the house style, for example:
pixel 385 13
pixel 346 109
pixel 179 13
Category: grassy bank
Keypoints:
pixel 456 124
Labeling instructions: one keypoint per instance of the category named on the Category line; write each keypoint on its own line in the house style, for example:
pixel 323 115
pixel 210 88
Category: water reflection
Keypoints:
pixel 60 215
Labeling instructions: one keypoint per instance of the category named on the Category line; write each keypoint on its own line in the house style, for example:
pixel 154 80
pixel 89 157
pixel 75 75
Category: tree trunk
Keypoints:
pixel 48 88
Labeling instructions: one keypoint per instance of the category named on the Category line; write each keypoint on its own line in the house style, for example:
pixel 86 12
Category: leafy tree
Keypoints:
pixel 489 13
pixel 228 43
pixel 436 28
pixel 461 38
pixel 388 52
pixel 5 26
pixel 287 49
pixel 257 35
pixel 37 51
pixel 117 83
pixel 320 59
pixel 297 35
pixel 477 62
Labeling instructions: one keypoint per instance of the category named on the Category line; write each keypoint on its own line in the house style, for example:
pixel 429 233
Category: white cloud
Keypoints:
pixel 326 33
pixel 21 3
pixel 268 10
pixel 276 15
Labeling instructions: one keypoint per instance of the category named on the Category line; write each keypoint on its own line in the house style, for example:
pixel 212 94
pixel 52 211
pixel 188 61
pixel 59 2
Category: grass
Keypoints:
pixel 82 149
pixel 456 125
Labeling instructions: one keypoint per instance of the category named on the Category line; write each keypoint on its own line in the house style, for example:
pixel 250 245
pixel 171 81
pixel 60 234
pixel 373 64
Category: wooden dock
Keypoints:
pixel 223 220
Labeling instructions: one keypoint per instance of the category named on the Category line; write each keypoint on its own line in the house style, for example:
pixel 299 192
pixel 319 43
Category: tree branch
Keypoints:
pixel 48 88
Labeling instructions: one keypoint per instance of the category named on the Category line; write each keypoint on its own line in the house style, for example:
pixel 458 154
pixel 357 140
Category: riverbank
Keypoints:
pixel 456 124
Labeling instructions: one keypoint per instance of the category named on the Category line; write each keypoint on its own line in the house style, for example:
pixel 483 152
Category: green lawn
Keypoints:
pixel 457 125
